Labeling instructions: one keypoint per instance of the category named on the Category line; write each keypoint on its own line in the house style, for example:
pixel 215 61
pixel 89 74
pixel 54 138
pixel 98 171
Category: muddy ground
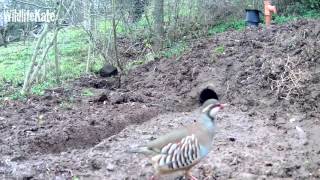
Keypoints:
pixel 270 78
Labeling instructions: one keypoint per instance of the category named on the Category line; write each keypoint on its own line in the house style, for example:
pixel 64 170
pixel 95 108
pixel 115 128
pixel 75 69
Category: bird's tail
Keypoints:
pixel 141 150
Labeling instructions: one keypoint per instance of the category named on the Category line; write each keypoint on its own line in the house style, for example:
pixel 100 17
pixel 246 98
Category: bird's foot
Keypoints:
pixel 153 177
pixel 190 177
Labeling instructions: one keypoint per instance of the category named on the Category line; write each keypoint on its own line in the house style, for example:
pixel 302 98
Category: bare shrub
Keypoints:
pixel 287 77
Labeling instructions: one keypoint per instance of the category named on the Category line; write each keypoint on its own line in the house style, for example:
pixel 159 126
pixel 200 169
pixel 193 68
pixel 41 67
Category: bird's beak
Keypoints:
pixel 223 105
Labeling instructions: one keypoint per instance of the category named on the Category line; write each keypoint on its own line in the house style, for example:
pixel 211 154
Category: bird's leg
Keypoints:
pixel 189 175
pixel 154 177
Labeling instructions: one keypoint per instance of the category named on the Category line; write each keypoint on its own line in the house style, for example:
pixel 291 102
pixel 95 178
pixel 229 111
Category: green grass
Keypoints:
pixel 16 96
pixel 75 178
pixel 309 14
pixel 175 50
pixel 219 50
pixel 136 63
pixel 170 52
pixel 87 92
pixel 229 25
pixel 284 19
pixel 240 24
pixel 13 64
pixel 106 27
pixel 15 61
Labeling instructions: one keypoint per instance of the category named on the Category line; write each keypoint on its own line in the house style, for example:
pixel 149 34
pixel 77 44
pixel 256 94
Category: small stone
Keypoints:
pixel 18 158
pixel 102 97
pixel 252 113
pixel 235 161
pixel 117 98
pixel 250 145
pixel 110 167
pixel 269 164
pixel 247 176
pixel 152 138
pixel 280 148
pixel 263 177
pixel 96 164
pixel 148 164
pixel 108 70
pixel 244 108
pixel 292 120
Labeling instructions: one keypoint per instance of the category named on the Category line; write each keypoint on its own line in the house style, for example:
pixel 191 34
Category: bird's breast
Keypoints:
pixel 203 151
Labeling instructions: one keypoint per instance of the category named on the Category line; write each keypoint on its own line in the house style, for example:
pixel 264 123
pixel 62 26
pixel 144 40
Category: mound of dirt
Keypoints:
pixel 269 76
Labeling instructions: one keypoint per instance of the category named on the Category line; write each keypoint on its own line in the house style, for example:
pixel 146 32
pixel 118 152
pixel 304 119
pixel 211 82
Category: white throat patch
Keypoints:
pixel 214 111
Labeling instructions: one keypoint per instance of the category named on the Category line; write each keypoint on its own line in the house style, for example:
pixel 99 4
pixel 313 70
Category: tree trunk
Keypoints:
pixel 158 27
pixel 42 61
pixel 35 66
pixel 55 43
pixel 89 56
pixel 90 26
pixel 114 27
pixel 56 59
pixel 33 60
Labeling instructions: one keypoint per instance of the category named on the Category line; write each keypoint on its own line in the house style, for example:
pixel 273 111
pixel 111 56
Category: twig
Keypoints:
pixel 35 5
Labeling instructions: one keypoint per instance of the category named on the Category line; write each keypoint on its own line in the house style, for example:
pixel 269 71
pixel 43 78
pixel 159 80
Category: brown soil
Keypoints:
pixel 271 78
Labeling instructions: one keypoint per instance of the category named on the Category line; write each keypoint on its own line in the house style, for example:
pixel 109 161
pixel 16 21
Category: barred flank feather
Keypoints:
pixel 180 155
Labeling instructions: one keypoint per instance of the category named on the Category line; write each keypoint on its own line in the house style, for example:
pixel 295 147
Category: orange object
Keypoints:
pixel 268 10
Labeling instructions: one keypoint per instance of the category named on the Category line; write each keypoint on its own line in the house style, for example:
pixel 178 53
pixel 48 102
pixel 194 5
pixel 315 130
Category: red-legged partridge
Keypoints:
pixel 180 150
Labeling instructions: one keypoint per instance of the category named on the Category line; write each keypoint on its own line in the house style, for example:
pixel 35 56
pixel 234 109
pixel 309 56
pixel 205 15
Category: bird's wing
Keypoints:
pixel 173 137
pixel 154 147
pixel 179 155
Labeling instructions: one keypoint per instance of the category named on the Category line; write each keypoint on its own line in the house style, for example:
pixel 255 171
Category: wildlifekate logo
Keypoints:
pixel 23 15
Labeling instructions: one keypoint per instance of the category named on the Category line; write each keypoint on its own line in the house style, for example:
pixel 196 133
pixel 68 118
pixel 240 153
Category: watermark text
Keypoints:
pixel 23 15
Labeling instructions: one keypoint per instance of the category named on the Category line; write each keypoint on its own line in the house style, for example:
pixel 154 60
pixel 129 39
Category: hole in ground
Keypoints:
pixel 207 93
